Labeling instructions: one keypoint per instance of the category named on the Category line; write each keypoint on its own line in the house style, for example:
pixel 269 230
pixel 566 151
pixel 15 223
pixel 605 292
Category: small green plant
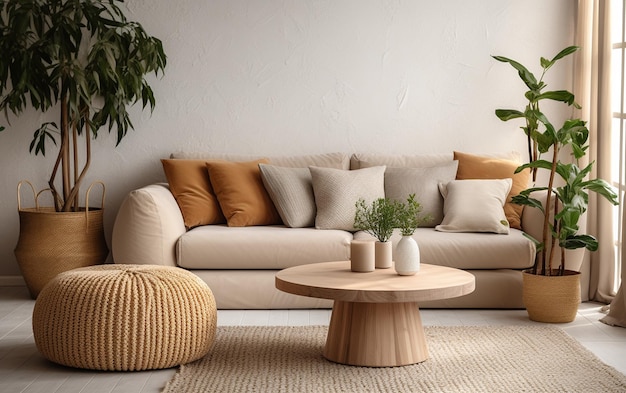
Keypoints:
pixel 383 215
pixel 408 216
pixel 377 219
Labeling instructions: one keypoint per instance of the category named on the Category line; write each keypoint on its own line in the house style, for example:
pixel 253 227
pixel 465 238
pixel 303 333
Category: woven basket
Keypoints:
pixel 552 299
pixel 52 242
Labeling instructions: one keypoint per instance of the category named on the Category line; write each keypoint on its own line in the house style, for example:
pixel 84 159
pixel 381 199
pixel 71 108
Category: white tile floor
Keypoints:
pixel 22 369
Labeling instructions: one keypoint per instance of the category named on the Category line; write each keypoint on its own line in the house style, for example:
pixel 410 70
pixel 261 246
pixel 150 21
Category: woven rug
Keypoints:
pixel 462 359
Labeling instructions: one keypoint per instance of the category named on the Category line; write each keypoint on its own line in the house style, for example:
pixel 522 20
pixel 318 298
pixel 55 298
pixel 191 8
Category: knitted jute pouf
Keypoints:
pixel 125 318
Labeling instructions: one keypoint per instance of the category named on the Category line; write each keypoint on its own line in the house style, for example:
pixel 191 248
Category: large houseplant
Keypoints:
pixel 563 201
pixel 86 61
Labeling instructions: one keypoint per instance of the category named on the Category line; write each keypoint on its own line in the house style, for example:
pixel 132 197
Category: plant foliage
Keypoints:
pixel 377 219
pixel 82 58
pixel 383 215
pixel 408 216
pixel 570 199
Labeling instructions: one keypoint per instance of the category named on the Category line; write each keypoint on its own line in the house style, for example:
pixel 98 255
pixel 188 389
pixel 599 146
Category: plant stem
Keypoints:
pixel 546 216
pixel 74 192
pixel 64 151
pixel 74 201
pixel 557 229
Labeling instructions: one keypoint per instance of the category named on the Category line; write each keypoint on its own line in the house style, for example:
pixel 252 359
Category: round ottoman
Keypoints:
pixel 125 318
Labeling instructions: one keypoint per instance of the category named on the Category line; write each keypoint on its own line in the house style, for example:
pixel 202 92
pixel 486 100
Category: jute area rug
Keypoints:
pixel 462 359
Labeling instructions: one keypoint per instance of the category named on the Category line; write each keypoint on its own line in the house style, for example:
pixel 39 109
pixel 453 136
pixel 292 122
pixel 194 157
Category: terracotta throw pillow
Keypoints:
pixel 482 167
pixel 241 194
pixel 190 185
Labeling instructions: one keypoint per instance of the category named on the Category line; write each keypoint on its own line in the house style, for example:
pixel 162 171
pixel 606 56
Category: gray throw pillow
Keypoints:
pixel 424 183
pixel 336 192
pixel 291 191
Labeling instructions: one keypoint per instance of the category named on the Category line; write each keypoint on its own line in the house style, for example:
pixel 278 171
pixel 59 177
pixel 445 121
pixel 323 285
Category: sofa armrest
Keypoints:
pixel 532 218
pixel 147 227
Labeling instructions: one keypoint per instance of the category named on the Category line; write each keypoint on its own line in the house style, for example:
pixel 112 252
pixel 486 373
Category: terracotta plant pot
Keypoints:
pixel 552 299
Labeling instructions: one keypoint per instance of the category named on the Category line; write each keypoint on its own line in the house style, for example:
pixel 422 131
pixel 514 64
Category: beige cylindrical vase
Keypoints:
pixel 383 254
pixel 362 256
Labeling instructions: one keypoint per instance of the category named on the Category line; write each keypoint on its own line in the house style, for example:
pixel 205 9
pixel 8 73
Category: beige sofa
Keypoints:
pixel 239 263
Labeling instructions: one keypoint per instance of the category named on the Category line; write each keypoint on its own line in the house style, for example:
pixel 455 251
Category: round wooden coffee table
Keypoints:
pixel 375 319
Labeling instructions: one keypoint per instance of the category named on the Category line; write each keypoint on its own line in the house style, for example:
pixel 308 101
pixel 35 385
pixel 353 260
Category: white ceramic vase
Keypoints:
pixel 407 257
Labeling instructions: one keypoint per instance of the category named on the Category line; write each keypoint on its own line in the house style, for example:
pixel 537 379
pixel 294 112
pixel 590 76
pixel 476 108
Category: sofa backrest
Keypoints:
pixel 327 160
pixel 366 160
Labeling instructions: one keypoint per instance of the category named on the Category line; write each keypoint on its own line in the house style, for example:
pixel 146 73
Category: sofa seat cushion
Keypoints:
pixel 266 247
pixel 471 250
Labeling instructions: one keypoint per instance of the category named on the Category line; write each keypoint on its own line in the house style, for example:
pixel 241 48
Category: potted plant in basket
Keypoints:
pixel 553 294
pixel 85 60
pixel 378 219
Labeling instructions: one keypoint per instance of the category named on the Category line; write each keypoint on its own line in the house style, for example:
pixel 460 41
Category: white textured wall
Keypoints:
pixel 305 76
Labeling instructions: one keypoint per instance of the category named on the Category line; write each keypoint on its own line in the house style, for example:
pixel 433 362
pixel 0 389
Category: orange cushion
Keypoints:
pixel 240 191
pixel 189 183
pixel 481 167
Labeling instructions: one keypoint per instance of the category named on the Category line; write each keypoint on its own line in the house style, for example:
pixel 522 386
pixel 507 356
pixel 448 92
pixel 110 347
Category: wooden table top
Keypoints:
pixel 335 280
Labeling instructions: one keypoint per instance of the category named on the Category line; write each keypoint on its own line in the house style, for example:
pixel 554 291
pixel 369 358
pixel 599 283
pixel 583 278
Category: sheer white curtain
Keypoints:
pixel 617 310
pixel 592 87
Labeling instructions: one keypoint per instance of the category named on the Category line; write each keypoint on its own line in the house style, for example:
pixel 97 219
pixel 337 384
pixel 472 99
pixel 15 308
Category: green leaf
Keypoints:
pixel 527 77
pixel 558 95
pixel 527 201
pixel 579 241
pixel 39 138
pixel 565 52
pixel 535 164
pixel 602 187
pixel 508 114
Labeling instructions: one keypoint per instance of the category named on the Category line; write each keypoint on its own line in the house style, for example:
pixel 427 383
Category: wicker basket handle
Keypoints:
pixel 35 195
pixel 87 201
pixel 89 190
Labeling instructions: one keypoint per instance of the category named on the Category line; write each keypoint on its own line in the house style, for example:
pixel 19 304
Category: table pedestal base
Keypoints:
pixel 376 334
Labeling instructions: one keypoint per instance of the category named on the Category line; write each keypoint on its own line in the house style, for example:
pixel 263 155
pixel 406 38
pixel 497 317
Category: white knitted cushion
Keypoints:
pixel 291 191
pixel 337 191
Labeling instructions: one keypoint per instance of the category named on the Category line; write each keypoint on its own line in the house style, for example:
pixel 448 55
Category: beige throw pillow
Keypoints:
pixel 424 183
pixel 291 191
pixel 336 192
pixel 484 167
pixel 475 206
